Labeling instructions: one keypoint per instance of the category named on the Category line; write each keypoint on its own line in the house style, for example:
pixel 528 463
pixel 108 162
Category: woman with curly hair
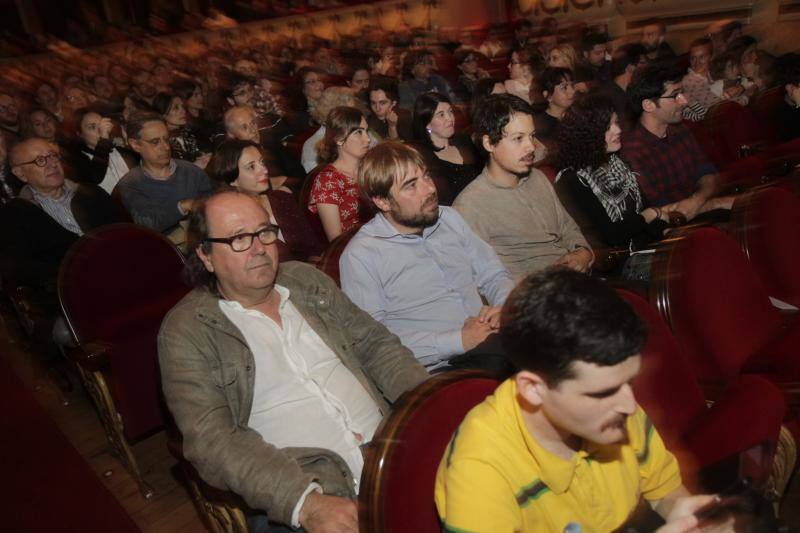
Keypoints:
pixel 599 186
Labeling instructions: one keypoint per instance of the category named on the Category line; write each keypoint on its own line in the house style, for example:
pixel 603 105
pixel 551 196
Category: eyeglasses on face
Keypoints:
pixel 42 160
pixel 242 242
pixel 675 96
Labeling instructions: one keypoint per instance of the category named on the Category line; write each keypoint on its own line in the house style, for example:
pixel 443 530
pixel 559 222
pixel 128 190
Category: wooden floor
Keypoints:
pixel 170 509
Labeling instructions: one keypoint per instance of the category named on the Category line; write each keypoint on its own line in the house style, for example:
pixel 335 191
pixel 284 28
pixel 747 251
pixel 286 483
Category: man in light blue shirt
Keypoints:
pixel 418 268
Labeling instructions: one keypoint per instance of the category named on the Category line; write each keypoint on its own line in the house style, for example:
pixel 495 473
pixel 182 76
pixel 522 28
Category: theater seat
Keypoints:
pixel 329 262
pixel 699 435
pixel 115 286
pixel 720 312
pixel 766 224
pixel 397 483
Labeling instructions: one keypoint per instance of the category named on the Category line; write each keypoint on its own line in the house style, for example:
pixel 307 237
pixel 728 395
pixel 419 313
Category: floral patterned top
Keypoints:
pixel 333 187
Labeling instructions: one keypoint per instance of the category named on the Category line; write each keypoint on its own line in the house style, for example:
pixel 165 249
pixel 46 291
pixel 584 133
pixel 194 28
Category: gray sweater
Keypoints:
pixel 154 203
pixel 526 225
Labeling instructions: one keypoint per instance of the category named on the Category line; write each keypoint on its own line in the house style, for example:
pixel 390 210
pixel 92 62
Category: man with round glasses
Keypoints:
pixel 274 377
pixel 44 220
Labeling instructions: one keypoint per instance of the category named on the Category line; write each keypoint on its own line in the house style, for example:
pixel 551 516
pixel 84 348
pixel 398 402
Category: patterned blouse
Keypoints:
pixel 333 187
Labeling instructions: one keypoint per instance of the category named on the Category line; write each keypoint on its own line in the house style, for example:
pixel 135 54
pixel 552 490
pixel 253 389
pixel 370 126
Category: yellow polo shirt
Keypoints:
pixel 495 478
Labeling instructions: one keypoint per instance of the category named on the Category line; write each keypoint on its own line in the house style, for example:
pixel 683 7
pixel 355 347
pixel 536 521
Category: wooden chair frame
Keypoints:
pixel 92 359
pixel 379 451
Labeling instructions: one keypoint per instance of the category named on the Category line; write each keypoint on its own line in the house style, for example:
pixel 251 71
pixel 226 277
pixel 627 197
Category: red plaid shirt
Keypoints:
pixel 668 169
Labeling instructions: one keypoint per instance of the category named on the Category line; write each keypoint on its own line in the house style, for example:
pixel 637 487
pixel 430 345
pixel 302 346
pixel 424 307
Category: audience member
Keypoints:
pixel 311 84
pixel 387 119
pixel 786 115
pixel 624 62
pixel 301 351
pixel 418 269
pixel 47 217
pixel 602 190
pixel 697 82
pixel 570 450
pixel 47 97
pixel 9 185
pixel 512 205
pixel 451 160
pixel 93 154
pixel 558 89
pixel 183 140
pixel 653 35
pixel 596 66
pixel 669 164
pixel 241 165
pixel 467 64
pixel 9 117
pixel 160 192
pixel 334 193
pixel 521 68
pixel 40 123
pixel 419 78
pixel 728 83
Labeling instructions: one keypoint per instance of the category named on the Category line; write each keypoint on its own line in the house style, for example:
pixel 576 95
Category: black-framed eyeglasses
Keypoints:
pixel 675 96
pixel 242 242
pixel 42 160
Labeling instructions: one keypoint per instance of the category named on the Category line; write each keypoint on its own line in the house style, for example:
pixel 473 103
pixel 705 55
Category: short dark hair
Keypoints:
pixel 224 164
pixel 195 272
pixel 385 84
pixel 185 88
pixel 560 316
pixel 552 77
pixel 592 39
pixel 162 102
pixel 137 121
pixel 494 114
pixel 413 59
pixel 625 56
pixel 581 133
pixel 789 67
pixel 424 109
pixel 719 63
pixel 701 41
pixel 649 82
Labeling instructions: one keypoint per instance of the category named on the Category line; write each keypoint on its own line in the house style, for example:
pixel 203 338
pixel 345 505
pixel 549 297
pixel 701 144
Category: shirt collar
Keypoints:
pixel 66 194
pixel 233 305
pixel 173 166
pixel 380 227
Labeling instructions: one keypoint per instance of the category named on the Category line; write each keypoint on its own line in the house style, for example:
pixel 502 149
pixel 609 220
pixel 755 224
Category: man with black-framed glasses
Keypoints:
pixel 669 163
pixel 274 377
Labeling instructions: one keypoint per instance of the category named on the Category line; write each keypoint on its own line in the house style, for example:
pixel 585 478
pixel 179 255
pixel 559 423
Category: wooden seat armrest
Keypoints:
pixel 91 356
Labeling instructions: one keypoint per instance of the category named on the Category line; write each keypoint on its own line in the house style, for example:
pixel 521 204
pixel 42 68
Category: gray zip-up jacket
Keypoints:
pixel 208 374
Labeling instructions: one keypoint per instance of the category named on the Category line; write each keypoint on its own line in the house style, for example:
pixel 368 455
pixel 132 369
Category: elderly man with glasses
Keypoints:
pixel 274 377
pixel 41 223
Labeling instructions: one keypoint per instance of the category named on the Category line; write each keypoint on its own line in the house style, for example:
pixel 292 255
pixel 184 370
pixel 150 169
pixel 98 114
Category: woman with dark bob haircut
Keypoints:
pixel 451 159
pixel 334 193
pixel 600 186
pixel 240 164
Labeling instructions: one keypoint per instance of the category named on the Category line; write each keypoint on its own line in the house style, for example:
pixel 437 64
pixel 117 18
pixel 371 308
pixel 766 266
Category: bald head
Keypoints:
pixel 241 123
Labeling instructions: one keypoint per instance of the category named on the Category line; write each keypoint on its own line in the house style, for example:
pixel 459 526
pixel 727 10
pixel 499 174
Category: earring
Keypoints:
pixel 428 130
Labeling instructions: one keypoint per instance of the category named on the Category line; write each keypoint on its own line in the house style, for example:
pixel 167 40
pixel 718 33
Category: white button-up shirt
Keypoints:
pixel 304 396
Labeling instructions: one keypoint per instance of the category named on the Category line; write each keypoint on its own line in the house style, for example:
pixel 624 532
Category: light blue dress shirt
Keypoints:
pixel 422 288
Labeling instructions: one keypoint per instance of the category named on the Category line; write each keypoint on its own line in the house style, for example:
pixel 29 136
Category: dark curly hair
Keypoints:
pixel 560 316
pixel 494 113
pixel 581 134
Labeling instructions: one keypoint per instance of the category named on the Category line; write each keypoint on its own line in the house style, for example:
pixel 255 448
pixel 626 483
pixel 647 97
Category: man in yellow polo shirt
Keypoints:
pixel 562 445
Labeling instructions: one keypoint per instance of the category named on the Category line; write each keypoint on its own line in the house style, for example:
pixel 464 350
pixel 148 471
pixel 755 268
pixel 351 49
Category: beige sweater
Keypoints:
pixel 526 225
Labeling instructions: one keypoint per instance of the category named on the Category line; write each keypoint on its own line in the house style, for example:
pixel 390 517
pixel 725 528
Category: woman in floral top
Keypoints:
pixel 334 193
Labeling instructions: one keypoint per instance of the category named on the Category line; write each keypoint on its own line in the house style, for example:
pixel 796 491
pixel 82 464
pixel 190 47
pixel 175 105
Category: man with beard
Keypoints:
pixel 9 117
pixel 653 34
pixel 669 163
pixel 512 205
pixel 275 379
pixel 418 269
pixel 569 448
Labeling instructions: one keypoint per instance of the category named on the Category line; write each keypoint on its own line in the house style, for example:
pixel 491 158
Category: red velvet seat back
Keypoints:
pixel 770 237
pixel 665 371
pixel 719 308
pixel 116 284
pixel 417 432
pixel 735 126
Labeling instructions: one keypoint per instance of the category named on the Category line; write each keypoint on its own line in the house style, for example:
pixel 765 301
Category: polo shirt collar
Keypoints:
pixel 555 472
